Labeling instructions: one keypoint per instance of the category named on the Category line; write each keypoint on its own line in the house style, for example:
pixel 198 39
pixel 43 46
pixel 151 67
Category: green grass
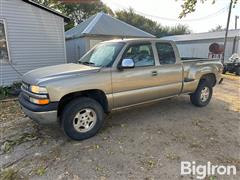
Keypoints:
pixel 9 174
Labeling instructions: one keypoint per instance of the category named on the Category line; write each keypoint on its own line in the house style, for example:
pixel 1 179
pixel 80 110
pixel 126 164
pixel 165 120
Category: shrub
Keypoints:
pixel 8 91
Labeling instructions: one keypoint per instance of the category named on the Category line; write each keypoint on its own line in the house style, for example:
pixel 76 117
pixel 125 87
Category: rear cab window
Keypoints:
pixel 166 54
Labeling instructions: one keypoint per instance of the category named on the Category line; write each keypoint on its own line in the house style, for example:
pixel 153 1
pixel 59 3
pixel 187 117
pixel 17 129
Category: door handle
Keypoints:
pixel 154 73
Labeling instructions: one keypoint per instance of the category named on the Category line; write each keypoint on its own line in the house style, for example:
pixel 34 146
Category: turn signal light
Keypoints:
pixel 39 101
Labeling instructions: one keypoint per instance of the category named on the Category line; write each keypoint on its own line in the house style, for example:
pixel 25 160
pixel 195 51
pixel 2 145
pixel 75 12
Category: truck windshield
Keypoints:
pixel 103 55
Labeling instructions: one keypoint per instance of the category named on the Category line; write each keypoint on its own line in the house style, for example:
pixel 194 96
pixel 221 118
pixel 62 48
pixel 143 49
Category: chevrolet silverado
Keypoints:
pixel 114 75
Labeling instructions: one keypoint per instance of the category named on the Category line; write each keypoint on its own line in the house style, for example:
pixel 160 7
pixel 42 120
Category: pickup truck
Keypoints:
pixel 114 75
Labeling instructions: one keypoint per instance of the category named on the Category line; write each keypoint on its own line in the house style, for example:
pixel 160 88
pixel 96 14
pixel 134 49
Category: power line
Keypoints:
pixel 174 19
pixel 186 20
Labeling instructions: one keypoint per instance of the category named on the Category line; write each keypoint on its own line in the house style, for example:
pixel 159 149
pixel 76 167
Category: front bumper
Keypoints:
pixel 42 114
pixel 48 117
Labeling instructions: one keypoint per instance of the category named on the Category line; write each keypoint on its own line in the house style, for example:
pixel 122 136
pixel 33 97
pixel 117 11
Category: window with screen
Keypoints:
pixel 4 55
pixel 166 53
pixel 141 54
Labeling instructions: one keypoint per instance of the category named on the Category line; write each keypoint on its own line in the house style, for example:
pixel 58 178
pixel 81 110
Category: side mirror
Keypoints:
pixel 127 63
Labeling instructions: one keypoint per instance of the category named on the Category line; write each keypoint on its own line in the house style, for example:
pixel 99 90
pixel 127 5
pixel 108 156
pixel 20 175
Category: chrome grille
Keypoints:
pixel 25 86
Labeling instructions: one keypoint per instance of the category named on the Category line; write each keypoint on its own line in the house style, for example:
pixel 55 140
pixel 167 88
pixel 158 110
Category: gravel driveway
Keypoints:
pixel 146 142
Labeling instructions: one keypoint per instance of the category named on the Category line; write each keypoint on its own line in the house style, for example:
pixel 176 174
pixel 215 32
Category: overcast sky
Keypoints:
pixel 166 12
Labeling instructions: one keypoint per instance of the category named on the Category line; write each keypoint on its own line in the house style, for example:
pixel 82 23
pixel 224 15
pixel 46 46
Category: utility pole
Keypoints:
pixel 236 21
pixel 226 33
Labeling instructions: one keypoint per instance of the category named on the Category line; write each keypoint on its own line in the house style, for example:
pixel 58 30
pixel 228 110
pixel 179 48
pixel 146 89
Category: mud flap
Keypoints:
pixel 221 80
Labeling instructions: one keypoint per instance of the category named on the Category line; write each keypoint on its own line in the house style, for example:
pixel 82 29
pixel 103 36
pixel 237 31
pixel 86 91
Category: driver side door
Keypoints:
pixel 138 84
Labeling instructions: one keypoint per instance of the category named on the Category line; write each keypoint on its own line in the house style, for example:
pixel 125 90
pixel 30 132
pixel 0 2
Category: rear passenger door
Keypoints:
pixel 169 71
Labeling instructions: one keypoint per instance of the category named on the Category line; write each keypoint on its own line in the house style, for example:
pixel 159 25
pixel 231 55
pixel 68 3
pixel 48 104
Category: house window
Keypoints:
pixel 4 54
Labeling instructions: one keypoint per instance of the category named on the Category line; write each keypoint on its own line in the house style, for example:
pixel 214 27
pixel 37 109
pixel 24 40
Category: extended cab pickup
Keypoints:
pixel 113 75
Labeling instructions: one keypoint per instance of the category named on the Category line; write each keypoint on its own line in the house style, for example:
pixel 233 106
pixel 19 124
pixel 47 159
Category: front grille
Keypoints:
pixel 25 86
pixel 26 92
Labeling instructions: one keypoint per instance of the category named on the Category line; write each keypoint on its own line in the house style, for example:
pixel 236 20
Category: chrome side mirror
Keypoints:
pixel 127 63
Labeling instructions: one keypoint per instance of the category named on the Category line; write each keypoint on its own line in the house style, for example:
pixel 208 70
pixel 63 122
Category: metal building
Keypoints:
pixel 97 28
pixel 31 36
pixel 201 44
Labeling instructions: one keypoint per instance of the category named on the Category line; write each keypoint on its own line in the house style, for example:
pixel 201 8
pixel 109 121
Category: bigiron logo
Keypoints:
pixel 202 171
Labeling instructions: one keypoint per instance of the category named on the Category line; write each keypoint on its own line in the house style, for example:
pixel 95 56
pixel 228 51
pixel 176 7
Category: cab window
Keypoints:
pixel 141 54
pixel 166 53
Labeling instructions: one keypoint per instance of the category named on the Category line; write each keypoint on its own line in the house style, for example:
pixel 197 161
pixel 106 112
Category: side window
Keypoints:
pixel 4 56
pixel 141 54
pixel 166 53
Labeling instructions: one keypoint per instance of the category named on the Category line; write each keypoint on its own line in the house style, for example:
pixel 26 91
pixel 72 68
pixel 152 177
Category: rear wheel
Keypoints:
pixel 82 118
pixel 202 96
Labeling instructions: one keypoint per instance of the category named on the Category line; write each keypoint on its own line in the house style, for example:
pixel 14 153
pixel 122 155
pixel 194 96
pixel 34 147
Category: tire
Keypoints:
pixel 197 99
pixel 82 109
pixel 238 71
pixel 224 71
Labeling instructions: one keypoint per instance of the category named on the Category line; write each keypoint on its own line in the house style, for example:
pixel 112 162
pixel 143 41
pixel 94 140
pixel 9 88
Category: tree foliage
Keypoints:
pixel 77 12
pixel 148 25
pixel 217 28
pixel 189 6
pixel 47 3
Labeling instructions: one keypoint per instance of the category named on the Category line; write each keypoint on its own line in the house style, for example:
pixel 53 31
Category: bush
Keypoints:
pixel 8 91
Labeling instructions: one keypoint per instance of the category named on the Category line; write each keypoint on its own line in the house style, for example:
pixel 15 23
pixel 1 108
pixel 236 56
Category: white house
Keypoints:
pixel 198 44
pixel 31 36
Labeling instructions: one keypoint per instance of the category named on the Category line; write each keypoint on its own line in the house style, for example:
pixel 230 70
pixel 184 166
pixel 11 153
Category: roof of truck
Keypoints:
pixel 138 40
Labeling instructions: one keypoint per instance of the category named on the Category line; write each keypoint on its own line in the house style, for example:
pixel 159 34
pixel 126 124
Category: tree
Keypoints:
pixel 48 3
pixel 179 29
pixel 189 6
pixel 77 12
pixel 217 28
pixel 148 25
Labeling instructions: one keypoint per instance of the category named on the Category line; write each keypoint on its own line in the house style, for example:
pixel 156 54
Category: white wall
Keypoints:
pixel 35 38
pixel 77 47
pixel 200 48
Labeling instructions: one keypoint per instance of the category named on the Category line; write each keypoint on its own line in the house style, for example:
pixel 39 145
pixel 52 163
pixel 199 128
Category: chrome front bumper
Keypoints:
pixel 47 117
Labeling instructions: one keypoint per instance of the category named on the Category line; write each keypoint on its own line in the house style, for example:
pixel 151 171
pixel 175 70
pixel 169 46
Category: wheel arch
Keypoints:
pixel 210 78
pixel 95 94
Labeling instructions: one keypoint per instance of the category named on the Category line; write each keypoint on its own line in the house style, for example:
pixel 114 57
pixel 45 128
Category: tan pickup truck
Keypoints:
pixel 114 75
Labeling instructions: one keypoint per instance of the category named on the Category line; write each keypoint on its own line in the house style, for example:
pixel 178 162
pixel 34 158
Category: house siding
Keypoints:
pixel 200 48
pixel 78 47
pixel 35 39
pixel 75 49
pixel 197 45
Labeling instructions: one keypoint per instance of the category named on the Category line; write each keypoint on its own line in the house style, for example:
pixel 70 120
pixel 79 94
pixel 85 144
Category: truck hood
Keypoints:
pixel 55 72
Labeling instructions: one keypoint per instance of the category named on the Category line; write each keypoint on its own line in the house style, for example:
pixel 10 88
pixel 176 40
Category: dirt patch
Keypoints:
pixel 146 142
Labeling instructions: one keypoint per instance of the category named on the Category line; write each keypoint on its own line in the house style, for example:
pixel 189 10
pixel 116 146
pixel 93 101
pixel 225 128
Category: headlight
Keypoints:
pixel 38 89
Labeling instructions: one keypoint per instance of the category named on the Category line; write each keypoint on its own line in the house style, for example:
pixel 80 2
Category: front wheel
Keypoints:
pixel 82 118
pixel 202 96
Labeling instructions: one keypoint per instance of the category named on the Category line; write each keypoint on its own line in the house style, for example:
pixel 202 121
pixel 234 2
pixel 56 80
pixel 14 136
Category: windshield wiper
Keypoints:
pixel 86 63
